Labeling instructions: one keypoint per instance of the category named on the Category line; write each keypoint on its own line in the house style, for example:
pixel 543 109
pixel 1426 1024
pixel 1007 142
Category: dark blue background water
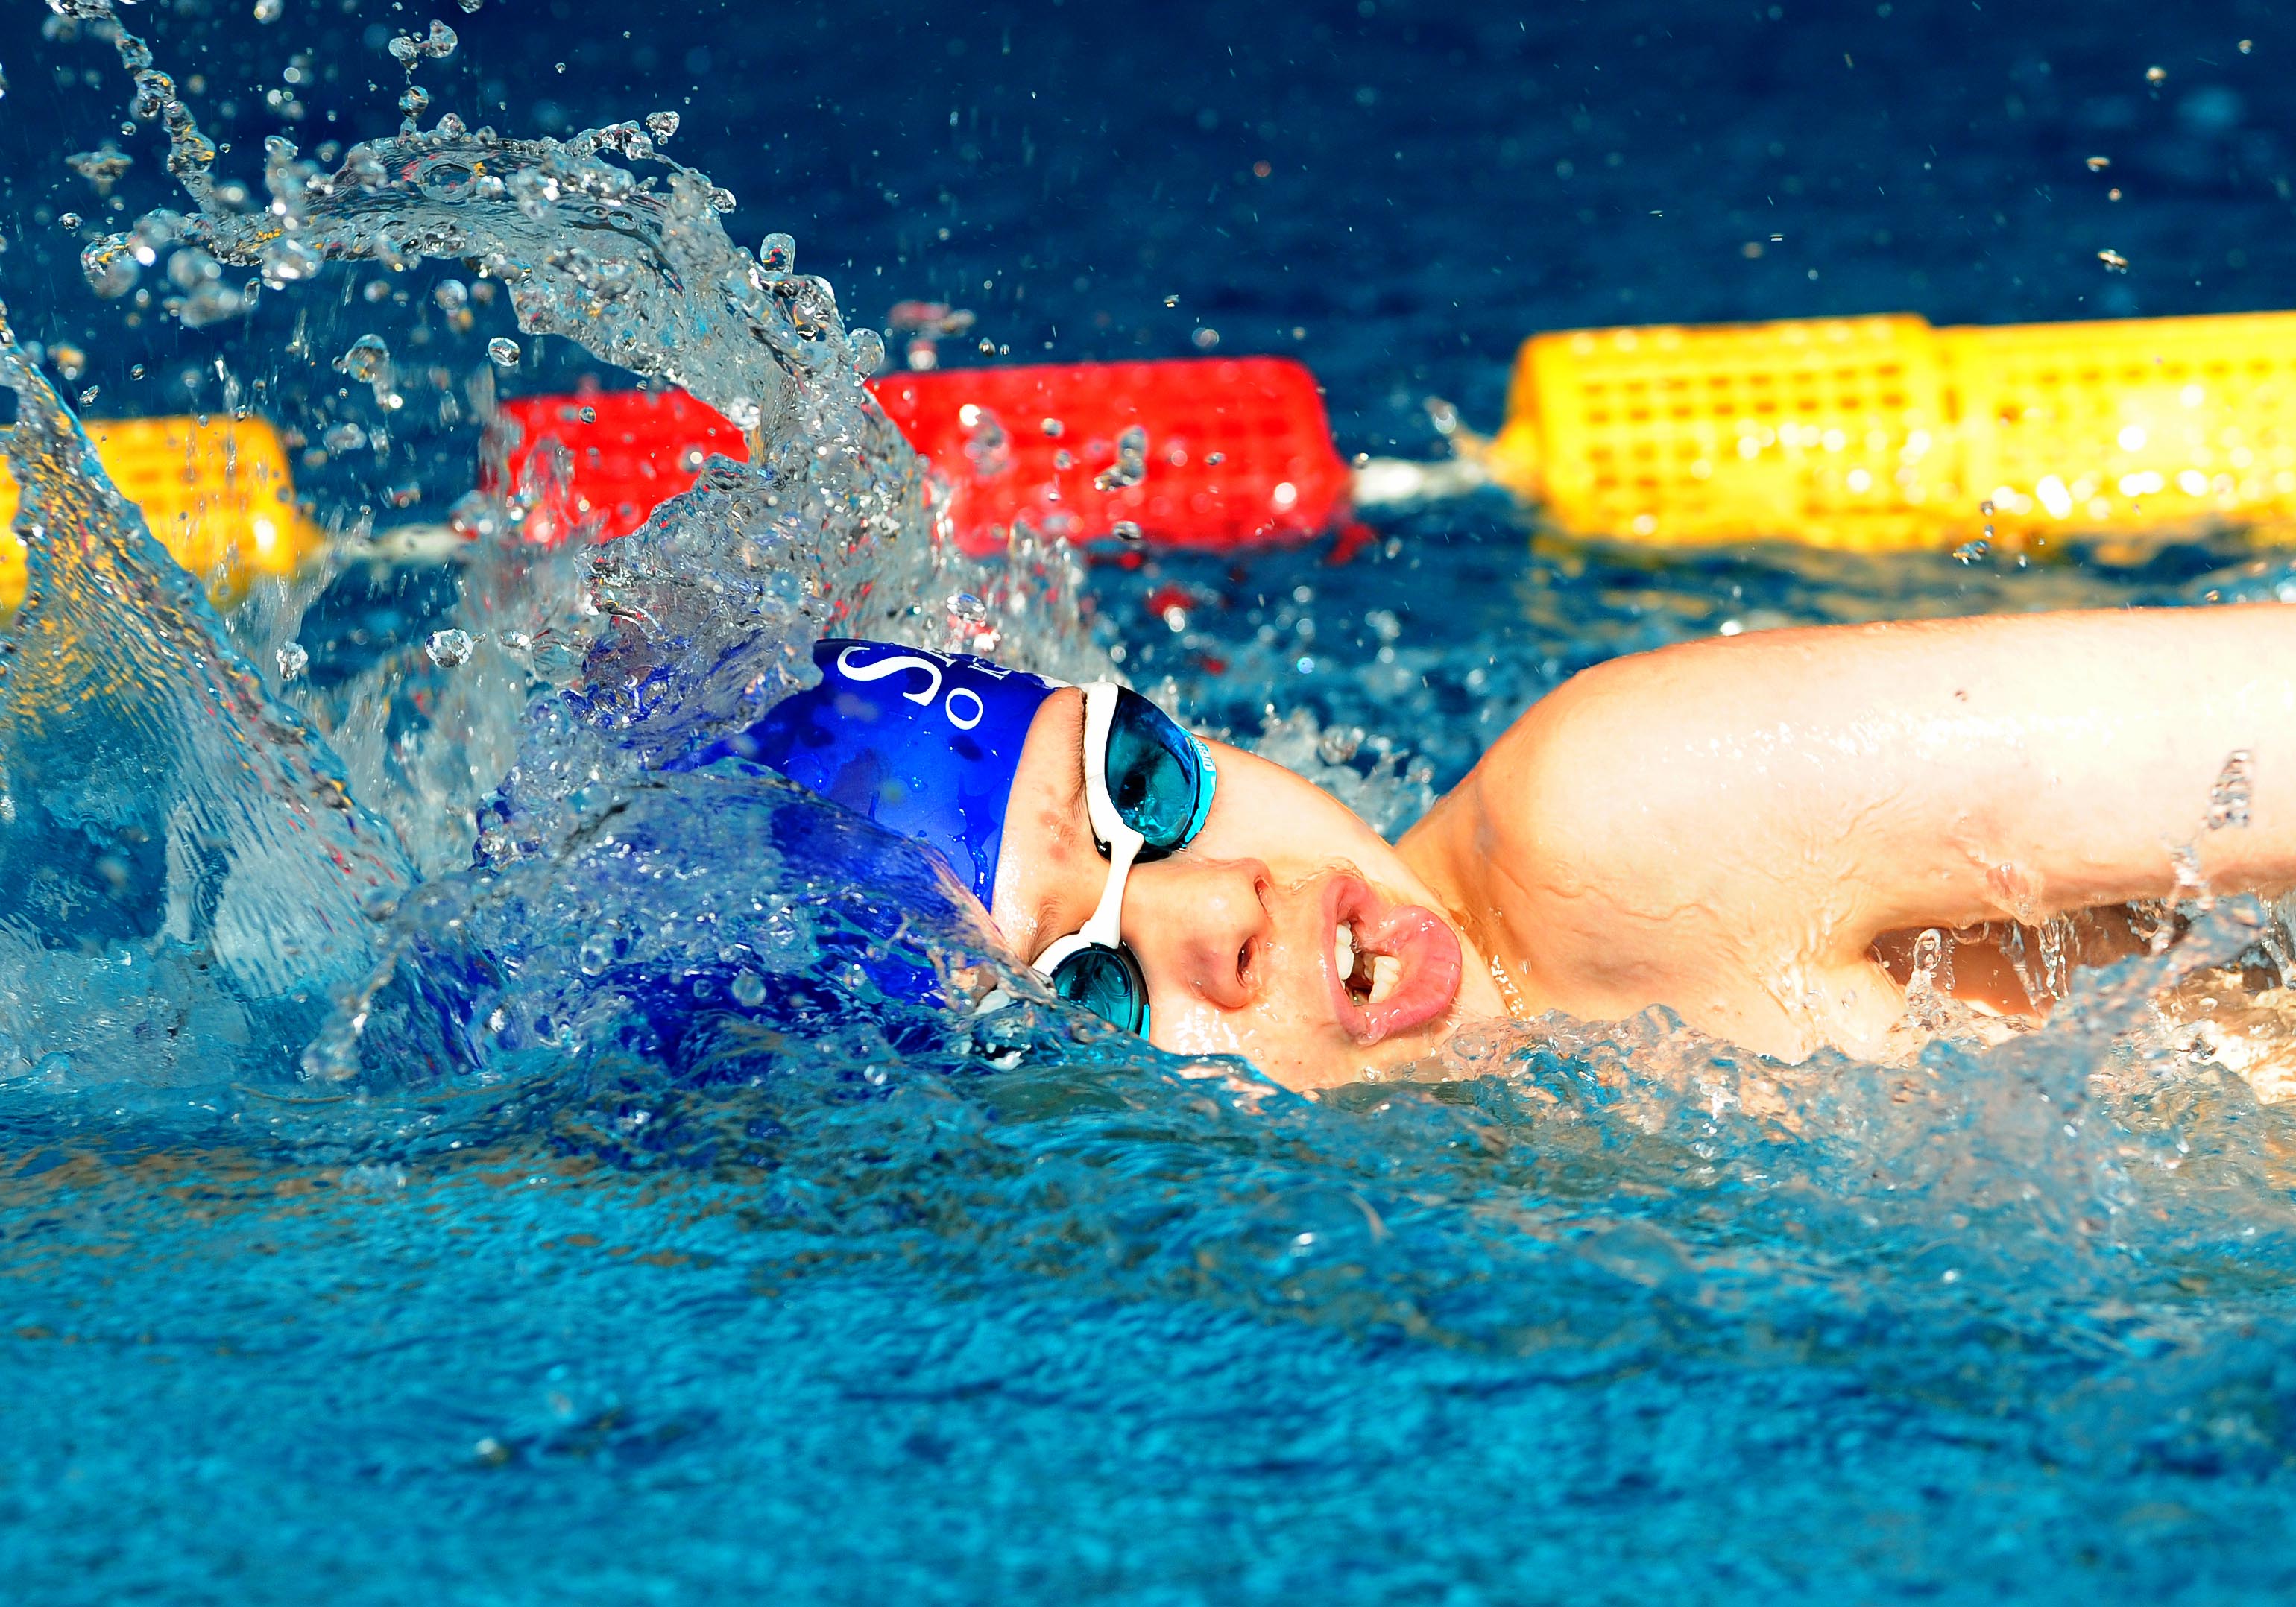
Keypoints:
pixel 894 1327
pixel 1443 179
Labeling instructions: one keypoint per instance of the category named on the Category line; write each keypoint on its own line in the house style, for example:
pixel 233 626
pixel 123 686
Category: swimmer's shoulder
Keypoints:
pixel 1608 840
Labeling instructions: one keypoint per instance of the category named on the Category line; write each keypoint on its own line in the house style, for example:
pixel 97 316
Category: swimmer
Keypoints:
pixel 1753 831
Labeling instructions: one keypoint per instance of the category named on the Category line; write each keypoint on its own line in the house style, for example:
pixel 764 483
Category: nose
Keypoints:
pixel 1200 927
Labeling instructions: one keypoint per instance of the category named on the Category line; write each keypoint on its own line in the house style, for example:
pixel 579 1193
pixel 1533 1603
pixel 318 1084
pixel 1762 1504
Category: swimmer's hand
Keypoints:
pixel 1727 827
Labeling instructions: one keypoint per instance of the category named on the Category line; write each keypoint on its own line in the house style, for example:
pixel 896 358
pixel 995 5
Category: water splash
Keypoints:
pixel 212 820
pixel 155 797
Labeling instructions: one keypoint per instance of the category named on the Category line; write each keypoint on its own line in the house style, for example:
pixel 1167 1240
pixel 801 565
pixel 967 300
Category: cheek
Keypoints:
pixel 1288 1028
pixel 1243 833
pixel 1295 837
pixel 1053 865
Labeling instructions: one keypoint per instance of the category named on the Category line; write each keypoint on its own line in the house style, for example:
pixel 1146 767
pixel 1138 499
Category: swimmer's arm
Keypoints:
pixel 1783 799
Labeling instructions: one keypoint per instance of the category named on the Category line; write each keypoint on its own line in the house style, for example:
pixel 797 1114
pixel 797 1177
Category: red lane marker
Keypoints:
pixel 626 452
pixel 1228 451
pixel 1189 452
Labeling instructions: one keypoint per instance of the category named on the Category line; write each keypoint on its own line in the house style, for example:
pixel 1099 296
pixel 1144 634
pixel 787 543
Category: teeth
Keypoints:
pixel 1343 951
pixel 1386 971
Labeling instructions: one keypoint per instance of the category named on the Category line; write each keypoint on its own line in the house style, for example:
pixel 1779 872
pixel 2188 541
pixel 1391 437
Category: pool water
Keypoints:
pixel 607 1213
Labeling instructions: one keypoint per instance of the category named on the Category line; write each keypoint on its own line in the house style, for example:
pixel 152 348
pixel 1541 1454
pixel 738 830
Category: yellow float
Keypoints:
pixel 217 494
pixel 1880 433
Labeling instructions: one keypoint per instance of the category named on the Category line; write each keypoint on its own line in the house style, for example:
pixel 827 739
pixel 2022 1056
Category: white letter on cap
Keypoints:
pixel 892 666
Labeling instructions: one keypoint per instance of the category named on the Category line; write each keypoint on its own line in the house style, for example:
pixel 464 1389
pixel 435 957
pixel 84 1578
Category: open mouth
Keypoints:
pixel 1369 978
pixel 1394 967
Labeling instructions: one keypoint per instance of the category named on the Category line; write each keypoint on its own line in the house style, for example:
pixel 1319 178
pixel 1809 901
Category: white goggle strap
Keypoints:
pixel 1105 930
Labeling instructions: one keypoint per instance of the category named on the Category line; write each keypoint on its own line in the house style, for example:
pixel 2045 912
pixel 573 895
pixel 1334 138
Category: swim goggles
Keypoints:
pixel 1148 788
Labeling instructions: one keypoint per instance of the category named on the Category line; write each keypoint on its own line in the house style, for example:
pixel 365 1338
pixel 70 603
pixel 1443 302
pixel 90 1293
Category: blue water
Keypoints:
pixel 657 1248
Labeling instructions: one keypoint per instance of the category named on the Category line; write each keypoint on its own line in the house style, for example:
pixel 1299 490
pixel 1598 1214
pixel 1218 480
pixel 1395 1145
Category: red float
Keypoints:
pixel 1212 452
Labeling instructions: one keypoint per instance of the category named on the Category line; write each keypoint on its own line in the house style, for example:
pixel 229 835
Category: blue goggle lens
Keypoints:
pixel 1106 981
pixel 1158 778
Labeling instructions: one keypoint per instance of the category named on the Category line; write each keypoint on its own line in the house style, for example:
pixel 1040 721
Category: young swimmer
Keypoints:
pixel 1752 831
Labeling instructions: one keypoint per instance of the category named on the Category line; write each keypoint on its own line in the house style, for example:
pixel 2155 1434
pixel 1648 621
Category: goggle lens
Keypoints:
pixel 1157 776
pixel 1106 981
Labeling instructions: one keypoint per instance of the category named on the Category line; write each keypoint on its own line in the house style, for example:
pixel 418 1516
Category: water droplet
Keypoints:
pixel 661 125
pixel 101 167
pixel 986 443
pixel 2154 75
pixel 368 359
pixel 966 609
pixel 448 648
pixel 2114 262
pixel 597 953
pixel 269 11
pixel 787 944
pixel 295 659
pixel 504 350
pixel 749 988
pixel 2228 799
pixel 776 257
pixel 1205 338
pixel 1124 530
pixel 110 266
pixel 438 45
pixel 1131 464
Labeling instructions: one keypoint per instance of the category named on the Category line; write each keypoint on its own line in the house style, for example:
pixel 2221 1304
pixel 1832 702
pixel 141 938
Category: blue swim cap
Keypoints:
pixel 923 743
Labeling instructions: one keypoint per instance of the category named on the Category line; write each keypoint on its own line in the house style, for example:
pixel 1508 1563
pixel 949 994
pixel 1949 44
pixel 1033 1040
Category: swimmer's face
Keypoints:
pixel 1288 931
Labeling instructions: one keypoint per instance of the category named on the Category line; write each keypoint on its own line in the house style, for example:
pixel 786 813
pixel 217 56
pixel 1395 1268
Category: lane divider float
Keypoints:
pixel 1871 434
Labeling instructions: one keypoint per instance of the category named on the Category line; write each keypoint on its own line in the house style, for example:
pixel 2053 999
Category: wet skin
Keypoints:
pixel 1235 933
pixel 1749 831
